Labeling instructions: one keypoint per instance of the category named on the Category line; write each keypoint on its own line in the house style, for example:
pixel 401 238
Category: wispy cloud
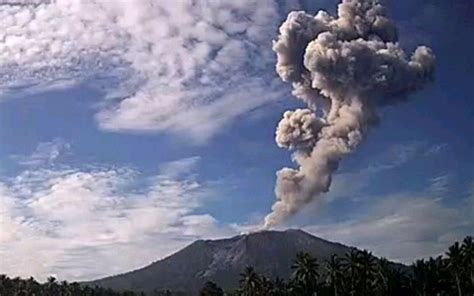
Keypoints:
pixel 82 224
pixel 402 227
pixel 352 184
pixel 436 149
pixel 395 156
pixel 45 153
pixel 179 167
pixel 439 185
pixel 182 67
pixel 24 2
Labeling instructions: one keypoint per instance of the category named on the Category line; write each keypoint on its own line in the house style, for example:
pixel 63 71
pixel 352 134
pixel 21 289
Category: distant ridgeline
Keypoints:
pixel 291 263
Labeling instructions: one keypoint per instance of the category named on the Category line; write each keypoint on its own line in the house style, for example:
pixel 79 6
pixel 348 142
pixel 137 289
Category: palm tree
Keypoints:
pixel 436 276
pixel 75 288
pixel 367 271
pixel 3 283
pixel 266 286
pixel 468 254
pixel 249 282
pixel 383 277
pixel 390 280
pixel 399 283
pixel 334 273
pixel 419 281
pixel 351 268
pixel 32 287
pixel 305 273
pixel 279 287
pixel 455 261
pixel 52 285
pixel 18 286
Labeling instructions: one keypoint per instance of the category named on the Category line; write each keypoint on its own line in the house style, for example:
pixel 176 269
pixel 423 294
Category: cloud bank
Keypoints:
pixel 404 226
pixel 77 223
pixel 184 67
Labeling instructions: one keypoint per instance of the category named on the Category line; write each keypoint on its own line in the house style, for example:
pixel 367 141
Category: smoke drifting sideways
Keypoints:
pixel 344 68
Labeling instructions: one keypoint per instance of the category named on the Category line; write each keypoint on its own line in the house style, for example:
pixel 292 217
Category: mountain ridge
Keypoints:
pixel 269 252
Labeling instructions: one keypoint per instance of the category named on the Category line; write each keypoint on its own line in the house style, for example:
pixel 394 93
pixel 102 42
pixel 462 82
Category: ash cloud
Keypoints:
pixel 344 69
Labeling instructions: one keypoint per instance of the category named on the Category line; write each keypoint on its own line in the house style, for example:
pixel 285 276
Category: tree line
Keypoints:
pixel 357 273
pixel 30 287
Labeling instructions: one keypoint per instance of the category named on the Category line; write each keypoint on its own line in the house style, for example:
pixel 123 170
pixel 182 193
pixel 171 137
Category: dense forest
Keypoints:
pixel 356 273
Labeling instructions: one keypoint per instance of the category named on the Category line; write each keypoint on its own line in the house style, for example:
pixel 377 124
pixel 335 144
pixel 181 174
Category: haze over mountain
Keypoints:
pixel 270 252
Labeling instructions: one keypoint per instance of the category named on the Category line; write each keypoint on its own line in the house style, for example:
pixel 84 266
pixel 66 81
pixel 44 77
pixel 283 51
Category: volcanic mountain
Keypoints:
pixel 270 252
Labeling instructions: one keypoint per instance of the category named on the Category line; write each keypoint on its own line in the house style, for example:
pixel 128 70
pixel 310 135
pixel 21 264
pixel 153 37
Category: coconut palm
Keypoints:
pixel 382 280
pixel 305 274
pixel 249 282
pixel 390 280
pixel 468 255
pixel 266 286
pixel 75 288
pixel 52 285
pixel 280 288
pixel 367 271
pixel 351 269
pixel 420 278
pixel 334 273
pixel 437 276
pixel 455 265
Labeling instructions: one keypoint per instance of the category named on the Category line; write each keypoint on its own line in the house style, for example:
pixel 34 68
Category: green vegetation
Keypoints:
pixel 359 273
pixel 356 273
pixel 30 287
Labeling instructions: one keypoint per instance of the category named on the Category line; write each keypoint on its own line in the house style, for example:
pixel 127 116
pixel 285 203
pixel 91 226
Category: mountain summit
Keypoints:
pixel 269 252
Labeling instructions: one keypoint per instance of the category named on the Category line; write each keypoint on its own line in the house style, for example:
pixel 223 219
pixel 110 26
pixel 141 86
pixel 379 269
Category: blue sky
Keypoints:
pixel 141 135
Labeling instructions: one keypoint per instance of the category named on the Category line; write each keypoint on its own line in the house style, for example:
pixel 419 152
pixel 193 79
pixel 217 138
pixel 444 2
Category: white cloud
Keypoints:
pixel 436 149
pixel 183 67
pixel 179 167
pixel 402 227
pixel 352 184
pixel 86 224
pixel 395 156
pixel 45 153
pixel 439 185
pixel 24 2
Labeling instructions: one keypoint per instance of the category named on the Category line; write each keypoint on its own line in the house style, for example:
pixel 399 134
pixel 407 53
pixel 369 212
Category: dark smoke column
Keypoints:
pixel 343 68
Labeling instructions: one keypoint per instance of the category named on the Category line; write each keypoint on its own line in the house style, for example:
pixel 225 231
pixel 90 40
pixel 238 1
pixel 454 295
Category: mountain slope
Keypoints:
pixel 269 252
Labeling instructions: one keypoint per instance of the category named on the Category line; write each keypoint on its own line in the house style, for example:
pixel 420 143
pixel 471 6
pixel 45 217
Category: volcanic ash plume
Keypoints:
pixel 343 68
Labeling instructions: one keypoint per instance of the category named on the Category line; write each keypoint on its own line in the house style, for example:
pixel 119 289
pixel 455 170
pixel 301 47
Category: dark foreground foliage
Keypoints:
pixel 358 273
pixel 30 287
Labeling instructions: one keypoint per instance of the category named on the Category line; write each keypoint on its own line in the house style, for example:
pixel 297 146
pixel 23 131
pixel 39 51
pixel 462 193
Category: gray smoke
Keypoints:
pixel 343 68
